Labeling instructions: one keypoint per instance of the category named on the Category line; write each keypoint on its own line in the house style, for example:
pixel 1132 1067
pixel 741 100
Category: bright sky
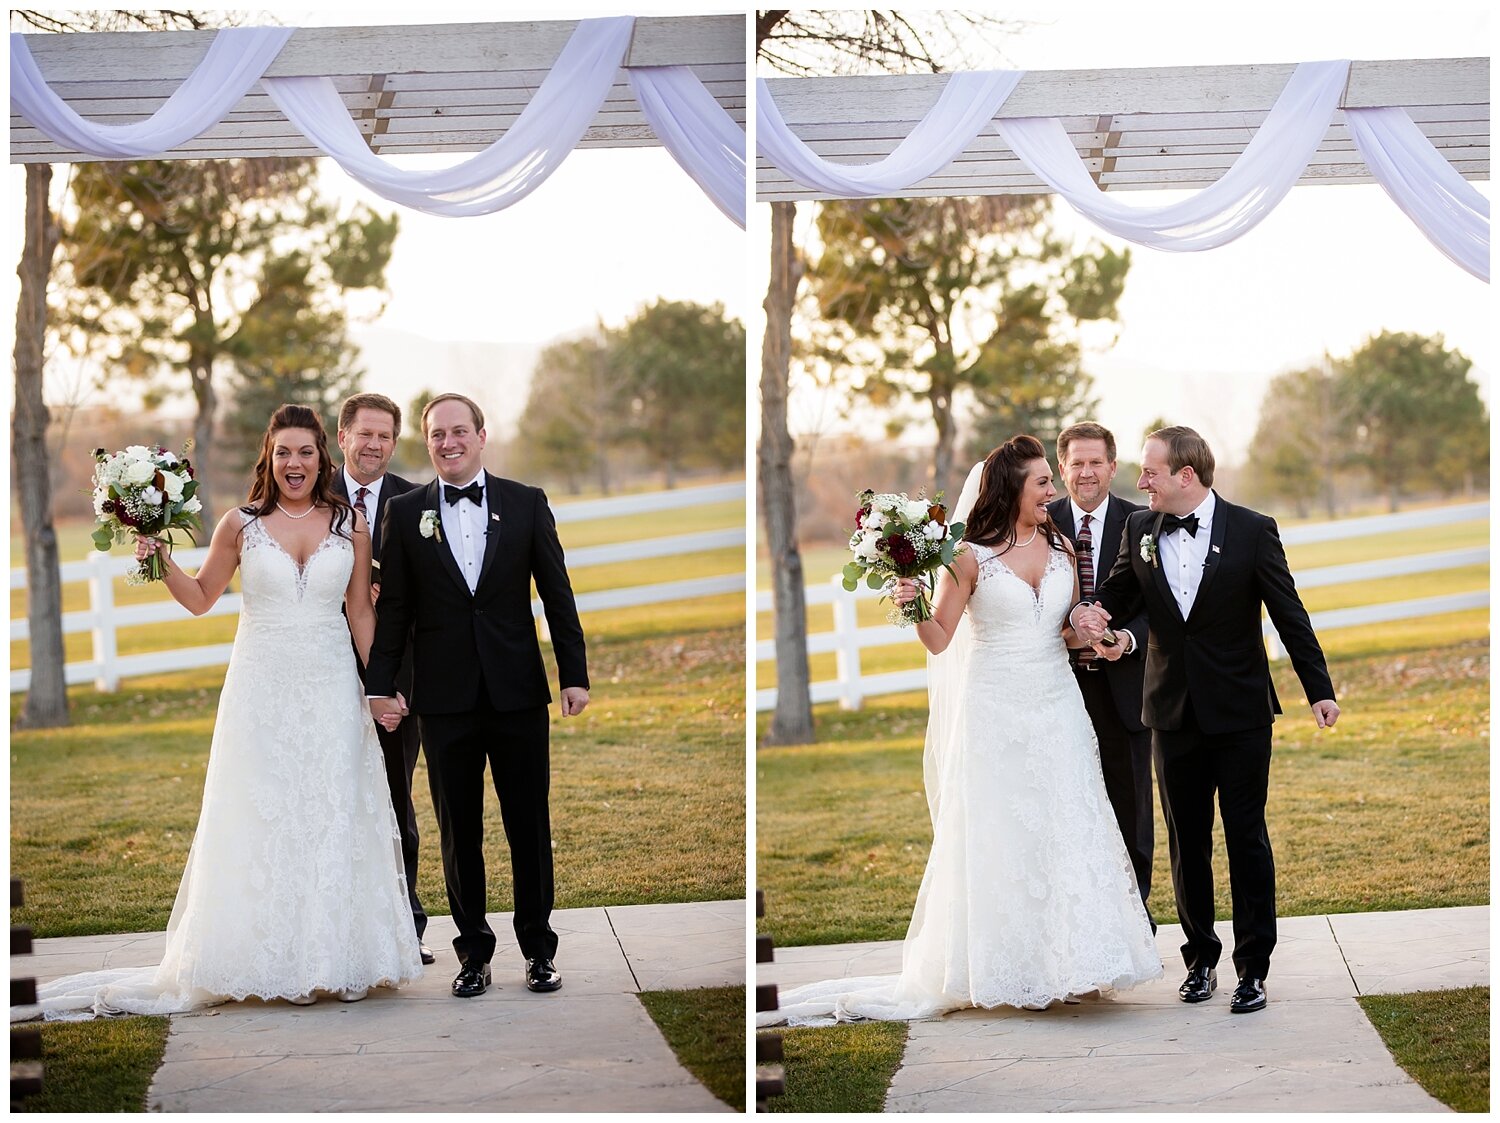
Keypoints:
pixel 610 230
pixel 1203 333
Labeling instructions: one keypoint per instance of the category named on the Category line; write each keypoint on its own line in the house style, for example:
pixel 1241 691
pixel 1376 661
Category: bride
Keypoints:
pixel 1029 896
pixel 294 884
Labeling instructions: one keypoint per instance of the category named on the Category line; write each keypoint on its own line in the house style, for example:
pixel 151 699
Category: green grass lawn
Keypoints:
pixel 706 1029
pixel 99 1066
pixel 1388 810
pixel 840 1068
pixel 1442 1039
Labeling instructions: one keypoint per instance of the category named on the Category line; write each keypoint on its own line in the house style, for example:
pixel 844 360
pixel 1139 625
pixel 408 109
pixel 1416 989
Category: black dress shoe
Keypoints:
pixel 471 980
pixel 1249 996
pixel 541 975
pixel 427 956
pixel 1199 986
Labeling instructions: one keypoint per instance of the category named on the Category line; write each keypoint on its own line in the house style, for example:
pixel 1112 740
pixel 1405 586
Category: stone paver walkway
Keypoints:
pixel 1311 1049
pixel 589 1047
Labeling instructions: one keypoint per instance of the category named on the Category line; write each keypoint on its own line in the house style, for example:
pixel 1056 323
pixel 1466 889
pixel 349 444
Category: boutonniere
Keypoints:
pixel 431 526
pixel 1148 549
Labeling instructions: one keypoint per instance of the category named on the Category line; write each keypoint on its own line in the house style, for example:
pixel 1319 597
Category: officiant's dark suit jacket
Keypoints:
pixel 461 640
pixel 1126 674
pixel 1216 658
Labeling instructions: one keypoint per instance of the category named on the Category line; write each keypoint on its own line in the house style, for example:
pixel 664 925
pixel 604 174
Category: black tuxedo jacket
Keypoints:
pixel 1126 675
pixel 1216 657
pixel 460 639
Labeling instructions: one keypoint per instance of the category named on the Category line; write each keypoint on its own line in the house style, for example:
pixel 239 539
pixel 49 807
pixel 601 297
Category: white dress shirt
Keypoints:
pixel 464 527
pixel 372 500
pixel 1183 556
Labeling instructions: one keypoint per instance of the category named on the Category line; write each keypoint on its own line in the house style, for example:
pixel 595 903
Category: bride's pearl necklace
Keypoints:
pixel 1029 541
pixel 313 506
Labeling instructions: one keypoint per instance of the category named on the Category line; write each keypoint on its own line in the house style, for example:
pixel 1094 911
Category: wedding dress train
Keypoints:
pixel 1029 895
pixel 294 882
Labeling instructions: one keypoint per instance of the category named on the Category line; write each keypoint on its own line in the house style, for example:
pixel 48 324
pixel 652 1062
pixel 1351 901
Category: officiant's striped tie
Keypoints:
pixel 1086 577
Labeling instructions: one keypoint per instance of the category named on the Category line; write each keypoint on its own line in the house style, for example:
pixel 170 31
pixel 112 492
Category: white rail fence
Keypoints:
pixel 848 639
pixel 103 618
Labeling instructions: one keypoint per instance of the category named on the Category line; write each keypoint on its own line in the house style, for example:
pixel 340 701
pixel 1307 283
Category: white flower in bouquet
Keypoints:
pixel 173 484
pixel 193 505
pixel 151 497
pixel 139 472
pixel 167 458
pixel 935 531
pixel 138 452
pixel 874 520
pixel 100 495
pixel 914 510
pixel 867 546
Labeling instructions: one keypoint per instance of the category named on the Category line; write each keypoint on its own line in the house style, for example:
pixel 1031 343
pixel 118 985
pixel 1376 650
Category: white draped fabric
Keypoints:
pixel 968 101
pixel 234 62
pixel 700 135
pixel 1449 210
pixel 1259 179
pixel 1445 206
pixel 504 173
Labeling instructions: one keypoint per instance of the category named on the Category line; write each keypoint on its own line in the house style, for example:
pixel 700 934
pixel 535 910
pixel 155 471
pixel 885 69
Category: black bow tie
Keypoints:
pixel 1188 523
pixel 474 493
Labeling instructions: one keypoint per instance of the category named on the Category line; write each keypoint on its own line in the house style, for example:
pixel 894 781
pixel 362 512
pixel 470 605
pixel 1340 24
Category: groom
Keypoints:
pixel 457 561
pixel 1202 567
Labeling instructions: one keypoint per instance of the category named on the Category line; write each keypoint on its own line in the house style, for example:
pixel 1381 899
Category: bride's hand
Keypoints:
pixel 145 547
pixel 905 591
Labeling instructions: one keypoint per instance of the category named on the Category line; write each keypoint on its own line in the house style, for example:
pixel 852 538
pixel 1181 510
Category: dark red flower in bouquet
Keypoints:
pixel 126 517
pixel 109 506
pixel 859 517
pixel 902 551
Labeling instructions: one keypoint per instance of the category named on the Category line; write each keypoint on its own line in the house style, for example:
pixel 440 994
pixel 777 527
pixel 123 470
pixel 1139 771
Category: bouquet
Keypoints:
pixel 896 536
pixel 144 492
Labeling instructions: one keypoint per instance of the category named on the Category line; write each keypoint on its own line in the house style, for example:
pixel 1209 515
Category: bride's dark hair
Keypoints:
pixel 993 520
pixel 264 494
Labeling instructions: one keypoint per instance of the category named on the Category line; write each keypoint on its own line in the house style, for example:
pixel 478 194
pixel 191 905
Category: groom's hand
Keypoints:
pixel 387 712
pixel 1326 713
pixel 1090 622
pixel 574 699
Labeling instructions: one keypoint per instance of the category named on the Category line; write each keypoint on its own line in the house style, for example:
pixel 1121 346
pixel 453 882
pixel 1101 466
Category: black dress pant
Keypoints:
pixel 514 744
pixel 1192 766
pixel 1125 758
pixel 400 747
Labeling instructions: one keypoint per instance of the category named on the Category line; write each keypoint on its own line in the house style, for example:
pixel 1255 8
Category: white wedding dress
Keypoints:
pixel 1029 895
pixel 294 883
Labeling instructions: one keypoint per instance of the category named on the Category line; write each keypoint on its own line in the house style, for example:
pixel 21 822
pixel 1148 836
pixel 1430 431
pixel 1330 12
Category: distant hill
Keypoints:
pixel 401 365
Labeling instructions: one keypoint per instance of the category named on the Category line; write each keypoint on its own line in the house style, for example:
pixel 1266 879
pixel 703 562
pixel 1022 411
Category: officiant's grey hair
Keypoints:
pixel 1186 449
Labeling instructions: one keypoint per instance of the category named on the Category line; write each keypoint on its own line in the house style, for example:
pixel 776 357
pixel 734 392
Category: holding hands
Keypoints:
pixel 388 712
pixel 1091 623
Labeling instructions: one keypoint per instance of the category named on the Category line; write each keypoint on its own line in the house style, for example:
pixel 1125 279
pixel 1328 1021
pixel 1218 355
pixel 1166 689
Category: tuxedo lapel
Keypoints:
pixel 1215 551
pixel 432 500
pixel 494 527
pixel 1109 537
pixel 1062 518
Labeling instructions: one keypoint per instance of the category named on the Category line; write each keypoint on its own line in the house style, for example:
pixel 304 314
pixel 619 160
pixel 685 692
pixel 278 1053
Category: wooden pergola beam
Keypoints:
pixel 1136 129
pixel 409 88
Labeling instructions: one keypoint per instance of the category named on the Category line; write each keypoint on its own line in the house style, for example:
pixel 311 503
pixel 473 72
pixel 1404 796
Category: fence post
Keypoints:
pixel 846 651
pixel 102 605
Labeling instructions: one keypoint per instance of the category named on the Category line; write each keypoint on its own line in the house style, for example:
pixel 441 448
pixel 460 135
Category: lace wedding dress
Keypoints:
pixel 294 883
pixel 1029 895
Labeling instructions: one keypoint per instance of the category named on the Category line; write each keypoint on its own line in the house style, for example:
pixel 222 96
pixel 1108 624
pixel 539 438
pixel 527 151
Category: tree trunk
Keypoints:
pixel 942 455
pixel 791 723
pixel 47 699
pixel 203 436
